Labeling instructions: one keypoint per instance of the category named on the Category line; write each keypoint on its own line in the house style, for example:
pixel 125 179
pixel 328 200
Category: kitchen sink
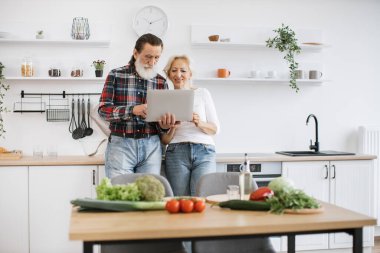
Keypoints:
pixel 313 153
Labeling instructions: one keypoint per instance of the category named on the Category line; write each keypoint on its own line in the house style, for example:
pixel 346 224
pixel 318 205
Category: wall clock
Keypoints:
pixel 151 19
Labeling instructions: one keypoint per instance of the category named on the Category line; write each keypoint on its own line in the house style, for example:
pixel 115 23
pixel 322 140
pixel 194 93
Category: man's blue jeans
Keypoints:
pixel 185 163
pixel 128 155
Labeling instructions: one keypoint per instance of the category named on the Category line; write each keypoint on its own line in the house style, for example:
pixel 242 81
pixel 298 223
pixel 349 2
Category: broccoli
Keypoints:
pixel 151 188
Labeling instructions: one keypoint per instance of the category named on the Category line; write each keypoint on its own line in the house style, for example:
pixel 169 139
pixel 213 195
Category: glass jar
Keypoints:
pixel 54 72
pixel 80 29
pixel 27 69
pixel 76 72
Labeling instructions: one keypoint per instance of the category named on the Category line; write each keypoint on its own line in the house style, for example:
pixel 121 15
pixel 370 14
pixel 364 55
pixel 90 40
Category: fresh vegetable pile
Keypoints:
pixel 278 196
pixel 146 193
pixel 185 205
pixel 287 197
pixel 146 188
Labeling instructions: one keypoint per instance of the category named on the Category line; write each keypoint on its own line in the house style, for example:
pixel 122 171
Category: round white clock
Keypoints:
pixel 151 19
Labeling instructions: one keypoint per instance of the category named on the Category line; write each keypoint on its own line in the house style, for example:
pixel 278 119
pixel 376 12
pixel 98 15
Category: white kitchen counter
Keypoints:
pixel 220 158
pixel 272 157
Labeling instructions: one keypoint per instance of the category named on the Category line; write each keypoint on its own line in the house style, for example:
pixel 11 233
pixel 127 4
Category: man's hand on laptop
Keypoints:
pixel 167 121
pixel 140 110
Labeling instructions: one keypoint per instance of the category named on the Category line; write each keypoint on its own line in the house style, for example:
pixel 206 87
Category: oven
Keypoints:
pixel 262 172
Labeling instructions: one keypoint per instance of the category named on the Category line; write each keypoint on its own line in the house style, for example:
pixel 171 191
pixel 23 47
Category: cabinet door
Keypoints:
pixel 311 177
pixel 352 187
pixel 51 189
pixel 14 236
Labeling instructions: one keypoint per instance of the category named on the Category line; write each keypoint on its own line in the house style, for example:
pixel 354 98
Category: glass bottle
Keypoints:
pixel 27 69
pixel 245 178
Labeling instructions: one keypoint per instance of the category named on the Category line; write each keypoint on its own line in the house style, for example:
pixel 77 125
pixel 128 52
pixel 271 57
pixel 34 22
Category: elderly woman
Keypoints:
pixel 191 150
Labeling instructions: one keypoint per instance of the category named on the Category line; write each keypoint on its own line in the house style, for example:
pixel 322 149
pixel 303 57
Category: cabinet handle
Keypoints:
pixel 93 177
pixel 334 172
pixel 327 172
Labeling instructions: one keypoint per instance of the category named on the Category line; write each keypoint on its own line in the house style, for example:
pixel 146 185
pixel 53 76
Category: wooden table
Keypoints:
pixel 106 227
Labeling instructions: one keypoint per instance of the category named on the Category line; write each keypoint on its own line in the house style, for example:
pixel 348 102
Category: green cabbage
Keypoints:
pixel 281 184
pixel 151 188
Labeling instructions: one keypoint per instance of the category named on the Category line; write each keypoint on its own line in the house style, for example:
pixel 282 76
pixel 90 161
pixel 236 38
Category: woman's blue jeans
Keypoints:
pixel 128 155
pixel 185 163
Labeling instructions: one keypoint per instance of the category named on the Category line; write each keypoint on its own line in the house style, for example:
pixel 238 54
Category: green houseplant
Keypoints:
pixel 99 67
pixel 3 87
pixel 40 34
pixel 286 41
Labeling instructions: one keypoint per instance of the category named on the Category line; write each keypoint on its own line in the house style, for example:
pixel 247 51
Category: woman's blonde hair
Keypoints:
pixel 179 57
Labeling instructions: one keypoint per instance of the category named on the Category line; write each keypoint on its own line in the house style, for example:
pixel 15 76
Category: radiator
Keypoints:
pixel 369 143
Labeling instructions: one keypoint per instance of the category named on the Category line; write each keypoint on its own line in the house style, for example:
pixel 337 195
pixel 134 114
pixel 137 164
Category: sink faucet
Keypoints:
pixel 316 143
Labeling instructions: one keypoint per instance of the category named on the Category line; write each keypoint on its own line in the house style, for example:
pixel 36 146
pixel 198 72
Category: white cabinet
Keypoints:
pixel 348 184
pixel 14 209
pixel 50 190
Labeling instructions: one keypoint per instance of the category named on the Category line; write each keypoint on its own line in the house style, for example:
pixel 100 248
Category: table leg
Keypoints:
pixel 88 247
pixel 357 240
pixel 291 243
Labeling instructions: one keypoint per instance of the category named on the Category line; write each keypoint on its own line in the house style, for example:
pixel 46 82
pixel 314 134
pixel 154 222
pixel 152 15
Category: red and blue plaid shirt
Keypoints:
pixel 123 89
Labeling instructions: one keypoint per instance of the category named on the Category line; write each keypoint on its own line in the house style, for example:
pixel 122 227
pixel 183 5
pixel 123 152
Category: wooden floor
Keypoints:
pixel 376 249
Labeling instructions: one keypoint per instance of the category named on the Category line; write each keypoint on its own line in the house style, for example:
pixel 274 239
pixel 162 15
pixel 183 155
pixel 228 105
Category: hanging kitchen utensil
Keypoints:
pixel 88 130
pixel 73 123
pixel 78 132
pixel 83 123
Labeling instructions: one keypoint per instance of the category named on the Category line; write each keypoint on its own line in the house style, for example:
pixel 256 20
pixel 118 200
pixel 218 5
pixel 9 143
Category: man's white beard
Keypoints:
pixel 144 72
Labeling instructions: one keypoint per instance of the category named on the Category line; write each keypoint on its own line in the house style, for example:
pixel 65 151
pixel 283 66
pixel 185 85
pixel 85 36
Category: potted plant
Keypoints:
pixel 99 67
pixel 3 87
pixel 1 69
pixel 40 34
pixel 286 41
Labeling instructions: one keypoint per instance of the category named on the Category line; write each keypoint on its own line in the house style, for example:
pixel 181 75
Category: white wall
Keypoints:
pixel 254 118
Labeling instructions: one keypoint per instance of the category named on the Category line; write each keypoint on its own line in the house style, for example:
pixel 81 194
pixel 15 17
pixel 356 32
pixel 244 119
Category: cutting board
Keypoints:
pixel 214 199
pixel 13 155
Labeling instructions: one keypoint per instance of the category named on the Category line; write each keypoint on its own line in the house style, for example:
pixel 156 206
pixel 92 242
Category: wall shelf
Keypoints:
pixel 46 42
pixel 257 80
pixel 233 45
pixel 74 79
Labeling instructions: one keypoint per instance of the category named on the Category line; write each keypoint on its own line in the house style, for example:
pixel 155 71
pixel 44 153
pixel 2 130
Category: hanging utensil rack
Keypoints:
pixel 33 102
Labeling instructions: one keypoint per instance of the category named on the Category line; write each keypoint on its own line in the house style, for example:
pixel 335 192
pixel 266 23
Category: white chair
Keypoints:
pixel 144 247
pixel 216 183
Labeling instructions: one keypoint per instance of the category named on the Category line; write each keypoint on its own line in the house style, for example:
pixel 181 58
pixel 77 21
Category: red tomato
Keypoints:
pixel 199 206
pixel 187 205
pixel 172 206
pixel 261 194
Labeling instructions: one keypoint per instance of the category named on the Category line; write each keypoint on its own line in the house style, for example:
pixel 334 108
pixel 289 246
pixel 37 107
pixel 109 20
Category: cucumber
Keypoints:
pixel 237 204
pixel 118 205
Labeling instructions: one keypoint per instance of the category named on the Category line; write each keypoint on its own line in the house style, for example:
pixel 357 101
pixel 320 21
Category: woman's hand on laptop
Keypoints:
pixel 167 121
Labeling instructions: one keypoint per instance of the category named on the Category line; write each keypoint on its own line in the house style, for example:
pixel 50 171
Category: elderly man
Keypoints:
pixel 134 144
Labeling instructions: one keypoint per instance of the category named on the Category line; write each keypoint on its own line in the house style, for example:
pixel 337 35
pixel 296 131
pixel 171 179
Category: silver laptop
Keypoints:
pixel 178 102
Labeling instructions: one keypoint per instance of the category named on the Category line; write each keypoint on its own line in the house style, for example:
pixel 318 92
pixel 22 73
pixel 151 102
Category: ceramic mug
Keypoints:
pixel 315 74
pixel 223 73
pixel 255 74
pixel 300 74
pixel 271 74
